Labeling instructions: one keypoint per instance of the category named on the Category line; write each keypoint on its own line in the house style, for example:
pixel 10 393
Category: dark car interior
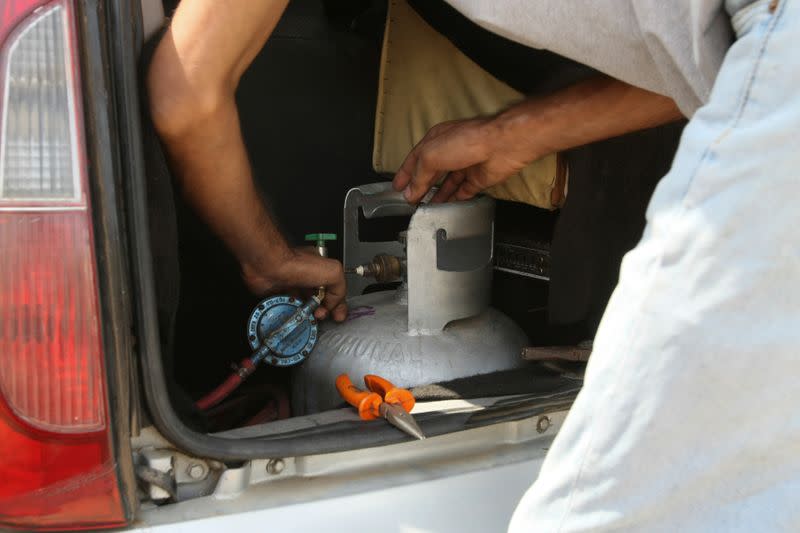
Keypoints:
pixel 307 106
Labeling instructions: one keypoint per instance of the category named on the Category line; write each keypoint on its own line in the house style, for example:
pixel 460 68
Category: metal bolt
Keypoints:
pixel 197 471
pixel 542 424
pixel 275 466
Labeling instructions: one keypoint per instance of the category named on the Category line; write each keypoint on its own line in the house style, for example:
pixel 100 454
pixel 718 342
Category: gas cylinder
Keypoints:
pixel 437 326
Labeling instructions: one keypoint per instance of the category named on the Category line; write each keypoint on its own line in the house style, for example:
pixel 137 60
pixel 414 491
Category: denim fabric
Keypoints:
pixel 688 418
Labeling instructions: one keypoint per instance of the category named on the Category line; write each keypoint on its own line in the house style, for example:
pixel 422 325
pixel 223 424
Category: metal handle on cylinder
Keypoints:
pixel 449 253
pixel 374 200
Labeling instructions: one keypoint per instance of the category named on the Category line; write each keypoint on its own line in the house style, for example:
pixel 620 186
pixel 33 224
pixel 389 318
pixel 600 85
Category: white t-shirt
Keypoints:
pixel 671 47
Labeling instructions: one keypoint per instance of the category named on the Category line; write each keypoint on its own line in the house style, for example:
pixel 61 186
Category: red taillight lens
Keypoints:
pixel 56 464
pixel 51 375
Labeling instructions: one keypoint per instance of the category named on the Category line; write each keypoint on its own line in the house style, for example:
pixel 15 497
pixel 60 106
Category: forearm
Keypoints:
pixel 478 153
pixel 212 168
pixel 593 110
pixel 191 83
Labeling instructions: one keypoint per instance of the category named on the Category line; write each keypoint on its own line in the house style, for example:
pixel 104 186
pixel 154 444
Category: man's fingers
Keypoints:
pixel 429 170
pixel 334 295
pixel 333 305
pixel 335 292
pixel 403 176
pixel 416 175
pixel 467 190
pixel 308 270
pixel 339 314
pixel 422 178
pixel 462 145
pixel 407 170
pixel 448 187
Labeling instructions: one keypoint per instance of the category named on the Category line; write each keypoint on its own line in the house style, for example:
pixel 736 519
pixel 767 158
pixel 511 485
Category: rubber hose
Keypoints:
pixel 246 367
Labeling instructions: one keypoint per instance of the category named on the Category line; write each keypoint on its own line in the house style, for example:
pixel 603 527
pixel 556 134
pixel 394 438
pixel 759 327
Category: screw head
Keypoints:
pixel 543 424
pixel 196 471
pixel 275 466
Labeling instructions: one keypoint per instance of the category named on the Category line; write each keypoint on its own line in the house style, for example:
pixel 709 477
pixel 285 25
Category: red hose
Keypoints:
pixel 246 367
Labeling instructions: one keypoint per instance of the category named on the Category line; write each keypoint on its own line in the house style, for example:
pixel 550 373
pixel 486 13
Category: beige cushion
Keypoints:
pixel 425 80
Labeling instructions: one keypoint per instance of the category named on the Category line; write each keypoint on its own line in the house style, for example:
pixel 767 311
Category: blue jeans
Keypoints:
pixel 689 420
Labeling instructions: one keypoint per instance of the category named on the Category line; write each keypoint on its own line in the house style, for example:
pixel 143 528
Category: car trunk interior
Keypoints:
pixel 307 107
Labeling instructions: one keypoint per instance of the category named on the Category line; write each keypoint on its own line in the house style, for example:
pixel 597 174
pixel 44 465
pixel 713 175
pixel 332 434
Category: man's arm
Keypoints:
pixel 478 153
pixel 191 83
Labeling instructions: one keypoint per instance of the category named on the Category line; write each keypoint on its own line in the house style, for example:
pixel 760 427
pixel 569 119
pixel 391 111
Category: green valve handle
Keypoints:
pixel 320 239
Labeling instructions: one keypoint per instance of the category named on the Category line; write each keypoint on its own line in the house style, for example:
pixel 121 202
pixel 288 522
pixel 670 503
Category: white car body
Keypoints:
pixel 465 481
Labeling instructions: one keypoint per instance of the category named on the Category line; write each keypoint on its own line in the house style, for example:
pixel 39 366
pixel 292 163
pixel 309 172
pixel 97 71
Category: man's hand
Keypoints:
pixel 478 153
pixel 302 268
pixel 470 152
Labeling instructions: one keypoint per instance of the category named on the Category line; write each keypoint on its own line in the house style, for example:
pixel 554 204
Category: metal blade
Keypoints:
pixel 402 420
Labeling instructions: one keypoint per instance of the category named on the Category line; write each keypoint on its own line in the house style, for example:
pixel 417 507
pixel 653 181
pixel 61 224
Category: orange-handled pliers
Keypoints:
pixel 384 400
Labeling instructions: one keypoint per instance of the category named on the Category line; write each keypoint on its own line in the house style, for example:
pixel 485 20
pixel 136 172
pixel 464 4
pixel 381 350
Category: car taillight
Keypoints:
pixel 57 469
